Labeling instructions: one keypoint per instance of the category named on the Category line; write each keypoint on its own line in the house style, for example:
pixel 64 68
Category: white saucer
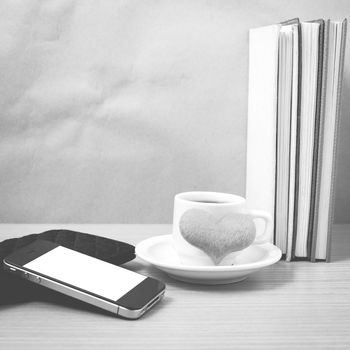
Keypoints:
pixel 159 252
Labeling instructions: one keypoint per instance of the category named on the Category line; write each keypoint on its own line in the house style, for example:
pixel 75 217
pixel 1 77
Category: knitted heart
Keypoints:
pixel 217 238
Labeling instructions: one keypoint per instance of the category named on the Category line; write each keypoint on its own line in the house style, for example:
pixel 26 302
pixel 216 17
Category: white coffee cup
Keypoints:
pixel 217 204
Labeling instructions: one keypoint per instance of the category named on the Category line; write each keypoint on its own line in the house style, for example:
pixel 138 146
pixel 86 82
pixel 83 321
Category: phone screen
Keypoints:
pixel 87 273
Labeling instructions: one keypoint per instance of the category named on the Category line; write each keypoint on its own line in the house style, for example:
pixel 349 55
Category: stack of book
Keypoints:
pixel 295 78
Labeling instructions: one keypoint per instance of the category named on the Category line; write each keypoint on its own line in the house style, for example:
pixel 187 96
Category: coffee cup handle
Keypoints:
pixel 266 236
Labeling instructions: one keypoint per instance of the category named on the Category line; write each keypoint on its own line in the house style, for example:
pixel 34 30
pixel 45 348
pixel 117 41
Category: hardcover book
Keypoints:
pixel 295 79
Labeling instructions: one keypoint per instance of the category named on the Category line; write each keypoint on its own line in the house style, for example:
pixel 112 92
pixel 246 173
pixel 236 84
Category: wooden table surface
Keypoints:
pixel 288 305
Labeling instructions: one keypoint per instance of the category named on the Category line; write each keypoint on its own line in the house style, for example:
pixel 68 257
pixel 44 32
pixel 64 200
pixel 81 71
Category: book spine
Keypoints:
pixel 320 142
pixel 297 153
pixel 261 123
pixel 275 238
pixel 292 140
pixel 319 92
pixel 336 133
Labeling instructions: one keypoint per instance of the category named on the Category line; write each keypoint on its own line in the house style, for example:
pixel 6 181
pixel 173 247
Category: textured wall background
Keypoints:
pixel 109 108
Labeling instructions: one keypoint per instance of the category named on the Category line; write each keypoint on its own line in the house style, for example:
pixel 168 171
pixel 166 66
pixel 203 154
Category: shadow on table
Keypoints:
pixel 39 294
pixel 269 278
pixel 15 291
pixel 18 291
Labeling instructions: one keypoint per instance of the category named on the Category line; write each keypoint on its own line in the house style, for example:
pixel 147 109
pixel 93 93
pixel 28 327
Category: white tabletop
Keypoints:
pixel 287 305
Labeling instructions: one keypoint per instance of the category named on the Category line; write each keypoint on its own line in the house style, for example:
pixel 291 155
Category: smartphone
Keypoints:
pixel 123 292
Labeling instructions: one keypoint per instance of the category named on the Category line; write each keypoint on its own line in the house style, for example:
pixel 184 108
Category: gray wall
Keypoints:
pixel 109 108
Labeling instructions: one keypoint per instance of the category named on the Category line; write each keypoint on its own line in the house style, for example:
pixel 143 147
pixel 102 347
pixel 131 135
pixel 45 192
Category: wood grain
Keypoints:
pixel 289 305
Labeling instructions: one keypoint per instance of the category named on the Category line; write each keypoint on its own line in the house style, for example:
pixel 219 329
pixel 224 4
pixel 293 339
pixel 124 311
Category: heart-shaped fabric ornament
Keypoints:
pixel 217 238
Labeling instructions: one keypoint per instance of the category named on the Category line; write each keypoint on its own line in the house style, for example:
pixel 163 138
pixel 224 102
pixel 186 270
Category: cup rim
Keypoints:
pixel 198 196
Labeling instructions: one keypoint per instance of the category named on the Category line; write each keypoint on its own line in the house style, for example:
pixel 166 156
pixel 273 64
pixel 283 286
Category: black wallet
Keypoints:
pixel 15 290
